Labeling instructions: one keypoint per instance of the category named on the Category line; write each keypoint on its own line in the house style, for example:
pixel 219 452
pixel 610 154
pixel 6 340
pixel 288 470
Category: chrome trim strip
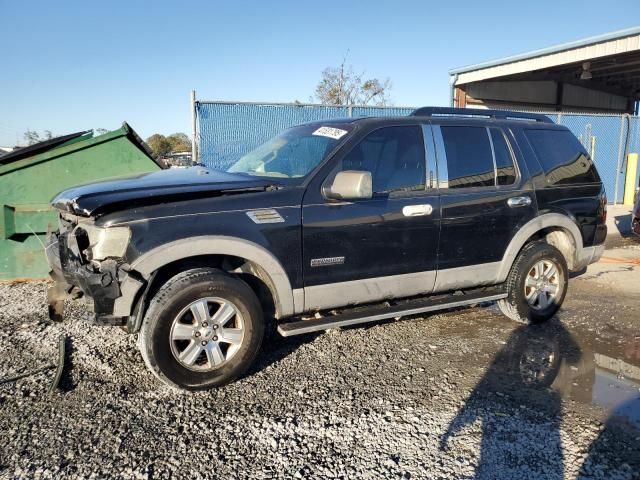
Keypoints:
pixel 441 158
pixel 265 215
pixel 430 154
pixel 493 155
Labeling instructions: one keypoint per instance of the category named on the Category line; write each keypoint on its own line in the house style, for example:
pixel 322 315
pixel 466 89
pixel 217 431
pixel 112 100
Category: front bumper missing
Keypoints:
pixel 72 278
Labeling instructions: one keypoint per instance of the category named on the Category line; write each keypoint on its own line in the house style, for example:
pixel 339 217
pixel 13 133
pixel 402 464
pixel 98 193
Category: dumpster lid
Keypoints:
pixel 39 147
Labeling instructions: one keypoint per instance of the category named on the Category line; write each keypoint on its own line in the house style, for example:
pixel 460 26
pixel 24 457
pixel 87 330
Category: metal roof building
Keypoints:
pixel 596 74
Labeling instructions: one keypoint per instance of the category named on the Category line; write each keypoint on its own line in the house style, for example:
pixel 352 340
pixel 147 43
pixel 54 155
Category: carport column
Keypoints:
pixel 452 94
pixel 194 149
pixel 620 155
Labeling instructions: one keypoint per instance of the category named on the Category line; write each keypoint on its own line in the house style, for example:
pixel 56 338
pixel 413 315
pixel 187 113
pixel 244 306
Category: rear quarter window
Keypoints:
pixel 562 156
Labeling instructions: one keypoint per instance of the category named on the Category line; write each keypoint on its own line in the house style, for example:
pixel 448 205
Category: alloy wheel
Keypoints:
pixel 206 334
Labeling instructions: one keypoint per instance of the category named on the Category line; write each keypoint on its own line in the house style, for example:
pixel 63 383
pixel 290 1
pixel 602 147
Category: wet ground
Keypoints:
pixel 461 394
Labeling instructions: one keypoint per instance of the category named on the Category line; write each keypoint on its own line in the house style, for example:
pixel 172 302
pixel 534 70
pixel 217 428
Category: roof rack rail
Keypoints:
pixel 504 114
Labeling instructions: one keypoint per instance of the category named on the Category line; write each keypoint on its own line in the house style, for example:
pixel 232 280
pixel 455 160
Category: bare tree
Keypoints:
pixel 343 86
pixel 31 137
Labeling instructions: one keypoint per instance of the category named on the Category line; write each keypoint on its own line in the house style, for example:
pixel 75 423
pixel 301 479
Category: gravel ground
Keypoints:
pixel 430 397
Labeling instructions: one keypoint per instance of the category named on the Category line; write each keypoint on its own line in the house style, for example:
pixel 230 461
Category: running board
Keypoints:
pixel 378 312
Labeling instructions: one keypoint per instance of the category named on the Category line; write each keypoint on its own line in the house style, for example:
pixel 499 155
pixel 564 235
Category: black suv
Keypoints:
pixel 330 224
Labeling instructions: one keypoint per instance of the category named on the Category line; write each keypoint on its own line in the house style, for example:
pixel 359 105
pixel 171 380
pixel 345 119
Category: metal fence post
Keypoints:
pixel 619 164
pixel 194 148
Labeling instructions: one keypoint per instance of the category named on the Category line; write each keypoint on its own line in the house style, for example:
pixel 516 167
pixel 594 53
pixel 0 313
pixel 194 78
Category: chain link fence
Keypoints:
pixel 227 130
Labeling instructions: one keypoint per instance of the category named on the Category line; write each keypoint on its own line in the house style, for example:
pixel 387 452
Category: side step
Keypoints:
pixel 382 312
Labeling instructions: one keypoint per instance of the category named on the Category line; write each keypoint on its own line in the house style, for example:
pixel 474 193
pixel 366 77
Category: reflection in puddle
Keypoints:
pixel 578 365
pixel 538 366
pixel 620 396
pixel 609 375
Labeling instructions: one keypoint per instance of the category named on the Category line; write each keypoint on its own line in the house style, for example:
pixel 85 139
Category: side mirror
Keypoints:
pixel 351 185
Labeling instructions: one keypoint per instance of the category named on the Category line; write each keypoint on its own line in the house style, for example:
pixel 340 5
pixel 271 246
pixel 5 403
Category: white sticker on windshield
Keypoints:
pixel 330 132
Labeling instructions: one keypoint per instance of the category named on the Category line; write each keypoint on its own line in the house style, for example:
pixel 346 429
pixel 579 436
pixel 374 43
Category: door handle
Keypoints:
pixel 519 202
pixel 417 210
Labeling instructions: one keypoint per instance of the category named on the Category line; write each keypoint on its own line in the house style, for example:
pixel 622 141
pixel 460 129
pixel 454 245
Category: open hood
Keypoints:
pixel 156 187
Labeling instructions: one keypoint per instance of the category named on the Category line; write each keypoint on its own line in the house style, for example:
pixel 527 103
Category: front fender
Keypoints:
pixel 163 255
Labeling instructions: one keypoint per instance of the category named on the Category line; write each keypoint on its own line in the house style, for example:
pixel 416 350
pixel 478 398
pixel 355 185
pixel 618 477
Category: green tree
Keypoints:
pixel 343 86
pixel 180 142
pixel 159 144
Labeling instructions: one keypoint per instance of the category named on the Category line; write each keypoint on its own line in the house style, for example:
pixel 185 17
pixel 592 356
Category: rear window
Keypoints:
pixel 469 157
pixel 562 156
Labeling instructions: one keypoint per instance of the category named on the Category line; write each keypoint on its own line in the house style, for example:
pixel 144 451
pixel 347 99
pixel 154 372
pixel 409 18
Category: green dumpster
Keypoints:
pixel 30 177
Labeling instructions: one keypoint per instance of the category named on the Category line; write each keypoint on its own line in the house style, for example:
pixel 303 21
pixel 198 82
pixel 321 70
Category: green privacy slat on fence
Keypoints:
pixel 228 130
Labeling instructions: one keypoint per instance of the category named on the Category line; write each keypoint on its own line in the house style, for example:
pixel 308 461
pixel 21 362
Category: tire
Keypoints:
pixel 203 329
pixel 521 284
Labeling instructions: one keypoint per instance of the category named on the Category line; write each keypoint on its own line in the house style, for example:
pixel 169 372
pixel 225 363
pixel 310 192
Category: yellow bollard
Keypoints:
pixel 630 179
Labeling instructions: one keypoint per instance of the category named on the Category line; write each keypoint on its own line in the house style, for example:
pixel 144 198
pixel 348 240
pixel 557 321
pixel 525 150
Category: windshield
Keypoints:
pixel 293 153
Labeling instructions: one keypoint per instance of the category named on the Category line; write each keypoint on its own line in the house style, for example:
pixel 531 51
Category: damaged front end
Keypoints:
pixel 86 260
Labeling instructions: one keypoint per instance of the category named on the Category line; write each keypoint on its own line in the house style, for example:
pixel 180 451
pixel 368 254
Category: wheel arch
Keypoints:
pixel 234 255
pixel 554 228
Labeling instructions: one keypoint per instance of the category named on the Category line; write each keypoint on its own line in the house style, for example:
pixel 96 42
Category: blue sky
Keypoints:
pixel 68 66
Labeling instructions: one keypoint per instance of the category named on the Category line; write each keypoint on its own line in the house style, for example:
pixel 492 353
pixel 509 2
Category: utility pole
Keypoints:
pixel 194 147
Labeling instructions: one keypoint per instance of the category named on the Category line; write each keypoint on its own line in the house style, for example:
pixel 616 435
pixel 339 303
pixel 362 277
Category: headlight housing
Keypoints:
pixel 97 243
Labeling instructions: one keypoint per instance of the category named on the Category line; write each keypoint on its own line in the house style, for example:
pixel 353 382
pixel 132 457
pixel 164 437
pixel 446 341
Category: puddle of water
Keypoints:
pixel 540 364
pixel 619 396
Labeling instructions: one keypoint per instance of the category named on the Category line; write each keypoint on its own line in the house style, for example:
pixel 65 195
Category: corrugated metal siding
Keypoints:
pixel 580 54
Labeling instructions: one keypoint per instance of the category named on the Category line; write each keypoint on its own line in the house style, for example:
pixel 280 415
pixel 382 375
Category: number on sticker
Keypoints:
pixel 330 132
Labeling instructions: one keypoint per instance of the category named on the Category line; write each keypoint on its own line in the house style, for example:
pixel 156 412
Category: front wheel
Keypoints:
pixel 203 329
pixel 536 285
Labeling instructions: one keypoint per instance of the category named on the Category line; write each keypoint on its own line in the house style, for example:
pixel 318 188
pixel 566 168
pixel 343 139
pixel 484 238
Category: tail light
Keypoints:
pixel 603 208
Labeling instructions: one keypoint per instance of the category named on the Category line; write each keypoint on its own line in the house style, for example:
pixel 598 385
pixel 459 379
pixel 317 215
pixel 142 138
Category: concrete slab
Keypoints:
pixel 618 270
pixel 619 220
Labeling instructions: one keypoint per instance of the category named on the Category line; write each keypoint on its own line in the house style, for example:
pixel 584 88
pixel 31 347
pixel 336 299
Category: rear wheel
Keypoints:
pixel 537 284
pixel 203 329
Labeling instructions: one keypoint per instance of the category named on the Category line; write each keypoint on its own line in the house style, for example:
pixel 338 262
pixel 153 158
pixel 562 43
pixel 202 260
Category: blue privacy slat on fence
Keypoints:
pixel 229 130
pixel 381 112
pixel 605 131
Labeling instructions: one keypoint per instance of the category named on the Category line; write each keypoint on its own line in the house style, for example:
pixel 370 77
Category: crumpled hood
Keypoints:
pixel 155 187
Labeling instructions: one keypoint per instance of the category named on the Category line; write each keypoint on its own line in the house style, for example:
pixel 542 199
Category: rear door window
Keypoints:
pixel 562 156
pixel 469 157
